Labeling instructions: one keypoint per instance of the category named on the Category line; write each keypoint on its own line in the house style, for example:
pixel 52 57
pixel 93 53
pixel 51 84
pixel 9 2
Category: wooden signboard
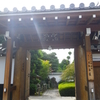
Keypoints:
pixel 90 66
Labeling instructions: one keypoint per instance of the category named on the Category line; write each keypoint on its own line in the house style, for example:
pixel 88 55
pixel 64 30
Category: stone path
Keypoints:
pixel 51 95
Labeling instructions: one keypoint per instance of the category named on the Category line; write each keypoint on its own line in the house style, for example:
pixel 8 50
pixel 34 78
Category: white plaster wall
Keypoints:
pixel 58 77
pixel 2 70
pixel 96 57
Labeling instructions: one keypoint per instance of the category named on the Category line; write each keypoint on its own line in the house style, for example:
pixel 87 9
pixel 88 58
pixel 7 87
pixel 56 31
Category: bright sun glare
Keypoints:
pixel 10 4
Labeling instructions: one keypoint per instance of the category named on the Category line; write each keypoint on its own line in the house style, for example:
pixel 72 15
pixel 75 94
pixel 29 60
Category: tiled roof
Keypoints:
pixel 52 8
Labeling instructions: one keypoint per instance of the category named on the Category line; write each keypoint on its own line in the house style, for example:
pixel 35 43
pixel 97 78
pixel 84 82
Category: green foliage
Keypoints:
pixel 44 71
pixel 53 60
pixel 35 62
pixel 32 89
pixel 63 64
pixel 35 81
pixel 39 68
pixel 67 89
pixel 69 53
pixel 68 57
pixel 1 39
pixel 36 65
pixel 68 72
pixel 40 65
pixel 59 68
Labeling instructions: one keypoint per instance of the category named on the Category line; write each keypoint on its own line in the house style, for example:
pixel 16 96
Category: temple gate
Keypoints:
pixel 77 28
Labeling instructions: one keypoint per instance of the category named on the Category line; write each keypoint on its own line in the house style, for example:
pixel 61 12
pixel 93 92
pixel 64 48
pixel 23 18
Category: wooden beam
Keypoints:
pixel 2 24
pixel 95 42
pixel 89 59
pixel 78 21
pixel 23 75
pixel 49 29
pixel 19 75
pixel 31 38
pixel 12 88
pixel 67 22
pixel 45 22
pixel 54 29
pixel 24 38
pixel 80 74
pixel 99 21
pixel 58 42
pixel 46 47
pixel 95 52
pixel 90 70
pixel 8 67
pixel 27 78
pixel 96 63
pixel 97 82
pixel 46 44
pixel 89 20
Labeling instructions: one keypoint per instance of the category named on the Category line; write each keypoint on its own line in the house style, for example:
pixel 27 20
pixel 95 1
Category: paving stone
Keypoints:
pixel 50 94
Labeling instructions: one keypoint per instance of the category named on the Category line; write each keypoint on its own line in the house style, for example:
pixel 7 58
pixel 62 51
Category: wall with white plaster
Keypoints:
pixel 2 70
pixel 57 76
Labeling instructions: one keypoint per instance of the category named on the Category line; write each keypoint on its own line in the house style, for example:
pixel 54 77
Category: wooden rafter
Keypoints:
pixel 95 42
pixel 2 24
pixel 31 38
pixel 45 23
pixel 96 63
pixel 78 21
pixel 89 20
pixel 53 29
pixel 24 37
pixel 67 21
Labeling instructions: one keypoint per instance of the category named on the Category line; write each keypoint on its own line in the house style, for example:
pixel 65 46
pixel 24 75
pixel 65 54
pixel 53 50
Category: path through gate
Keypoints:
pixel 63 28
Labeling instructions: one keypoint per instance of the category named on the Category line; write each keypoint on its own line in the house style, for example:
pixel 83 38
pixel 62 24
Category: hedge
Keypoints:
pixel 67 89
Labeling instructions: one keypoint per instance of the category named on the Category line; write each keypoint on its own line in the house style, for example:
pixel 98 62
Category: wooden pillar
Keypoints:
pixel 90 70
pixel 27 78
pixel 80 74
pixel 19 75
pixel 96 65
pixel 8 66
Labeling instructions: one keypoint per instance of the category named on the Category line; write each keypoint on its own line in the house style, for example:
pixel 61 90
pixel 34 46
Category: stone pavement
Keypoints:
pixel 51 95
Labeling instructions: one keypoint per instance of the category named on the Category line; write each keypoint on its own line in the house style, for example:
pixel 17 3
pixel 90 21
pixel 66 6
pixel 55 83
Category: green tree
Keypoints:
pixel 69 52
pixel 44 71
pixel 36 62
pixel 59 68
pixel 68 57
pixel 63 64
pixel 53 60
pixel 35 69
pixel 68 72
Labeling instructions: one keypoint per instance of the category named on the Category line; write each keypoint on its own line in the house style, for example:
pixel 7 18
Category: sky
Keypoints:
pixel 10 4
pixel 62 54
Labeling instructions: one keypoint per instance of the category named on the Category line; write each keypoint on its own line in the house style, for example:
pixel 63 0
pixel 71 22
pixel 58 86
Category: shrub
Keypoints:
pixel 67 89
pixel 32 89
